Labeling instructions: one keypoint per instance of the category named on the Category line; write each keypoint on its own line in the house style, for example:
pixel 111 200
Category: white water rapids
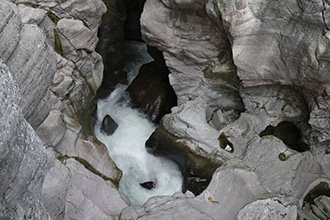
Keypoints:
pixel 126 145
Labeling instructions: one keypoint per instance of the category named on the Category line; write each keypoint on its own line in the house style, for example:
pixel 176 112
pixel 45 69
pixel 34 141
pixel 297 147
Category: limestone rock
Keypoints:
pixel 267 51
pixel 272 208
pixel 52 130
pixel 23 157
pixel 282 171
pixel 39 17
pixel 188 39
pixel 74 190
pixel 232 187
pixel 196 166
pixel 74 35
pixel 31 61
pixel 88 150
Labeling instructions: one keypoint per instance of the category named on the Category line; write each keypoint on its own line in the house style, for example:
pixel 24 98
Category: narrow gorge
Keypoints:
pixel 165 109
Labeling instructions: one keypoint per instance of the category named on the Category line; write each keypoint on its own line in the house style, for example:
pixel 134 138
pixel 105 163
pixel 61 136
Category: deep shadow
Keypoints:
pixel 288 133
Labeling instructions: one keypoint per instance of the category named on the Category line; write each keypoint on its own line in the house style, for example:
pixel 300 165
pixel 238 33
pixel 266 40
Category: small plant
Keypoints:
pixel 282 156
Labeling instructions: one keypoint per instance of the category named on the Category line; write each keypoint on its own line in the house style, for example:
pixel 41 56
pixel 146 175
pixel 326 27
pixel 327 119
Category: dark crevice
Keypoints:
pixel 288 133
pixel 88 166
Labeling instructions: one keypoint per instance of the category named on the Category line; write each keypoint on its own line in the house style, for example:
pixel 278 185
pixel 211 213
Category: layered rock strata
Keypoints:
pixel 51 55
pixel 239 67
pixel 23 157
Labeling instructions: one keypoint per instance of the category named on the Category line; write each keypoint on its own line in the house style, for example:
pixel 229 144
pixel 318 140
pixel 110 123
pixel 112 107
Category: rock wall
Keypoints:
pixel 23 158
pixel 49 47
pixel 238 67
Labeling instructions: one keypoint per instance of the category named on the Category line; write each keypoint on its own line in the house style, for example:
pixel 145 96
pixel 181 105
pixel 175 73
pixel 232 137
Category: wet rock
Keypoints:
pixel 134 9
pixel 148 185
pixel 232 187
pixel 110 46
pixel 109 125
pixel 196 167
pixel 151 93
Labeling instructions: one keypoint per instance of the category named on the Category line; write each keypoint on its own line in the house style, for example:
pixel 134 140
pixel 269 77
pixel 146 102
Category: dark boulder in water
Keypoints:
pixel 108 126
pixel 148 185
pixel 151 92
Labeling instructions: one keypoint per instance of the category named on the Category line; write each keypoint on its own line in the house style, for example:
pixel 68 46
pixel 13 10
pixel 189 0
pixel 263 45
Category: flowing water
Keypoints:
pixel 126 145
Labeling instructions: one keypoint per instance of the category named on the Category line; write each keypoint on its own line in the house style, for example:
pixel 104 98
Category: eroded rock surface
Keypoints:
pixel 249 70
pixel 31 60
pixel 23 157
pixel 52 57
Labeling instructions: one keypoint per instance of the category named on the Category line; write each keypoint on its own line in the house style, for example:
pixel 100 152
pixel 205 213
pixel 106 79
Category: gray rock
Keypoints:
pixel 74 196
pixel 52 130
pixel 232 187
pixel 280 169
pixel 74 35
pixel 109 125
pixel 271 209
pixel 266 49
pixel 31 60
pixel 188 39
pixel 315 202
pixel 23 157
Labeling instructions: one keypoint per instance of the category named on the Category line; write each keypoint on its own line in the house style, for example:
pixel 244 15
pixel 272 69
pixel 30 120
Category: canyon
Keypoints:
pixel 248 123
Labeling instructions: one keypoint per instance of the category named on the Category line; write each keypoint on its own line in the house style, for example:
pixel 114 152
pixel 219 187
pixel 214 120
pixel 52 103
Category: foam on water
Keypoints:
pixel 126 147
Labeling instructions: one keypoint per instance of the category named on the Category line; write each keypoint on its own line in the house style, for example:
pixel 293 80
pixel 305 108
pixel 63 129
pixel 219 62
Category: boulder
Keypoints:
pixel 108 125
pixel 148 185
pixel 151 93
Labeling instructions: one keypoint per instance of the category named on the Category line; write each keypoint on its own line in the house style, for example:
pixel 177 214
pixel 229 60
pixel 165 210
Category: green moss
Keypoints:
pixel 83 21
pixel 63 158
pixel 53 17
pixel 282 156
pixel 224 143
pixel 58 45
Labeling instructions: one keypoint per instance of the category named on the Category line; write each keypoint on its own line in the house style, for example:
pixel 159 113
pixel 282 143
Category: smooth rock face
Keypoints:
pixel 23 157
pixel 78 191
